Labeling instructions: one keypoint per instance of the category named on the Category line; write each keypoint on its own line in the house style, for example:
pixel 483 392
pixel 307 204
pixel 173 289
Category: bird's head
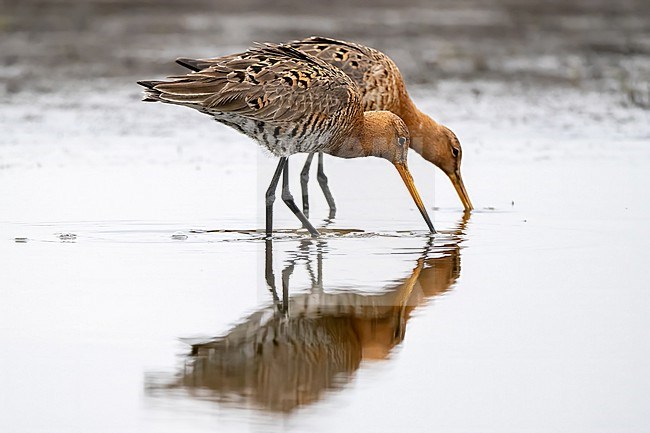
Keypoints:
pixel 386 136
pixel 440 146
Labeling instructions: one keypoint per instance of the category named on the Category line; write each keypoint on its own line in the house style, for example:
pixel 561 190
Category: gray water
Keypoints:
pixel 136 294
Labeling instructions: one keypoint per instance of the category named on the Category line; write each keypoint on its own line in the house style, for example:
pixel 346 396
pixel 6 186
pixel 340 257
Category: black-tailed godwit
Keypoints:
pixel 382 88
pixel 291 102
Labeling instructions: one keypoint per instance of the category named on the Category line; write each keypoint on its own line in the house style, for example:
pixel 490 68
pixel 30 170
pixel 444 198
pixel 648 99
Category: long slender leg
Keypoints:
pixel 322 181
pixel 304 180
pixel 288 200
pixel 270 195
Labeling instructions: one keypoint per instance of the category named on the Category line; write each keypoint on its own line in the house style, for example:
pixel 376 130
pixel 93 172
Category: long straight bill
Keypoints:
pixel 457 181
pixel 408 180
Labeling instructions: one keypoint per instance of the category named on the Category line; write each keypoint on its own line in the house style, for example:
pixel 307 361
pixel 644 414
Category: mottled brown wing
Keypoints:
pixel 272 83
pixel 377 76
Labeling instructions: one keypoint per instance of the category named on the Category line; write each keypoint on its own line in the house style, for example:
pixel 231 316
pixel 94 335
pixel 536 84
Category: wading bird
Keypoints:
pixel 290 102
pixel 382 88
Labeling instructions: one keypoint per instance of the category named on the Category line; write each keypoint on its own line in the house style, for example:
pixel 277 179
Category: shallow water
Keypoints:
pixel 527 316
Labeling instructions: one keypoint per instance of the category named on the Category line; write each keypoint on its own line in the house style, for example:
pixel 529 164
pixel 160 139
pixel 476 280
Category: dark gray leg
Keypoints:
pixel 270 196
pixel 322 181
pixel 288 200
pixel 304 180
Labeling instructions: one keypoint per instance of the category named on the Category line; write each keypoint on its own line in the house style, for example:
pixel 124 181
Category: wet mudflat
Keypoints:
pixel 120 312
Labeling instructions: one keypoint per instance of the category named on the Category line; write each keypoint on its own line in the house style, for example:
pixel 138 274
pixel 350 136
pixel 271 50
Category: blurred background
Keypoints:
pixel 585 43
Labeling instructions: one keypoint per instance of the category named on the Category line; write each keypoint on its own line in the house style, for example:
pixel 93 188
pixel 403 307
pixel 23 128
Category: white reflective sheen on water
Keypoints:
pixel 112 321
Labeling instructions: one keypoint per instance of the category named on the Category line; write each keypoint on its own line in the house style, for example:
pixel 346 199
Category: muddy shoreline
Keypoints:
pixel 593 45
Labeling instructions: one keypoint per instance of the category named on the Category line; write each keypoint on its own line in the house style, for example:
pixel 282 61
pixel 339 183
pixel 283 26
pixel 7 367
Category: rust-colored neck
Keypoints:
pixel 353 143
pixel 368 136
pixel 426 134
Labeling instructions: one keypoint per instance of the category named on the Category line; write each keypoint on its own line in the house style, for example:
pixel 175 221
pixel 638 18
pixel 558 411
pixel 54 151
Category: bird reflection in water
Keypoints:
pixel 292 352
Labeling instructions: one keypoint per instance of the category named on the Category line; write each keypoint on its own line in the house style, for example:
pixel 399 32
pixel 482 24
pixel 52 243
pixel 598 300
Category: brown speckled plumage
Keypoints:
pixel 382 87
pixel 288 101
pixel 378 78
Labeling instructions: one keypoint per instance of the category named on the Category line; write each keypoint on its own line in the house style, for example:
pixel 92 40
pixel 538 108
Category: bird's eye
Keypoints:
pixel 401 141
pixel 455 152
